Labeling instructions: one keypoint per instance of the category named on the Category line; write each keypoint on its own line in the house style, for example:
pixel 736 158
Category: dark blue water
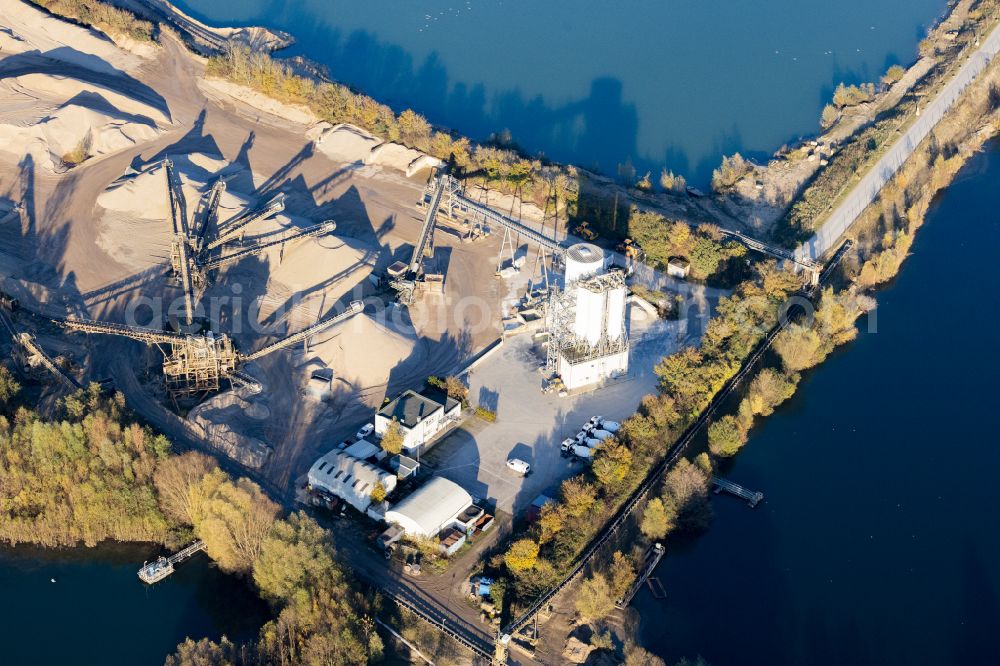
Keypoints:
pixel 878 541
pixel 597 83
pixel 98 612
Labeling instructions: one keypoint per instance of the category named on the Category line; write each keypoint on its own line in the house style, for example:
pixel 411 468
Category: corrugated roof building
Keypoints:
pixel 430 509
pixel 349 478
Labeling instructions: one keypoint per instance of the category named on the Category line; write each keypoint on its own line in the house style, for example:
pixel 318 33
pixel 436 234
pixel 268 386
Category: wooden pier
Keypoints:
pixel 649 562
pixel 753 498
pixel 157 570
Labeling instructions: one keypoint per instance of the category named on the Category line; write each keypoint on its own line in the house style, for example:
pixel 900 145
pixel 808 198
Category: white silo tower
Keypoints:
pixel 584 260
pixel 588 341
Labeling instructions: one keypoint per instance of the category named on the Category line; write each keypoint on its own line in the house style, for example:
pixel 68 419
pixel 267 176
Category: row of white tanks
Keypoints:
pixel 600 313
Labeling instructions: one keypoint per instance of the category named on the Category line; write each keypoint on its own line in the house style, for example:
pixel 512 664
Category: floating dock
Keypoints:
pixel 157 570
pixel 753 498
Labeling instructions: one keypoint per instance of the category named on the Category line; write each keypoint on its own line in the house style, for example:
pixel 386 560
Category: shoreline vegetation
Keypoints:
pixel 111 478
pixel 93 473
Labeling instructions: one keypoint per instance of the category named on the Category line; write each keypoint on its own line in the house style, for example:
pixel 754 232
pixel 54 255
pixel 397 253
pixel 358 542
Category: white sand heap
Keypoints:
pixel 59 120
pixel 364 352
pixel 73 133
pixel 314 274
pixel 353 145
pixel 28 28
pixel 344 143
pixel 135 225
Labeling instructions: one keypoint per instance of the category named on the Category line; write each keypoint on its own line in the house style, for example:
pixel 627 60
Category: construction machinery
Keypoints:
pixel 196 361
pixel 404 278
pixel 198 364
pixel 584 231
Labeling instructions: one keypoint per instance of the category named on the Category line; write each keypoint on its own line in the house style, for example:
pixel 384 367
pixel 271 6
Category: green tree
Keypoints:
pixel 178 482
pixel 523 555
pixel 612 464
pixel 725 437
pixel 685 491
pixel 657 519
pixel 393 438
pixel 769 389
pixel 204 653
pixel 235 520
pixel 894 74
pixel 579 497
pixel 550 521
pixel 799 348
pixel 594 600
pixel 622 574
pixel 638 656
pixel 729 172
pixel 456 389
pixel 296 551
pixel 9 388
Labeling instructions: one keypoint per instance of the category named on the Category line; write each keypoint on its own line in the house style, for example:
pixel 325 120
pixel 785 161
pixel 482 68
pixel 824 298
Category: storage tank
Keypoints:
pixel 584 260
pixel 589 322
pixel 616 313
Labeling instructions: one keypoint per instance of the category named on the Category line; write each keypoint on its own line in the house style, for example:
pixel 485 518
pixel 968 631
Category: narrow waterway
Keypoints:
pixel 878 540
pixel 600 83
pixel 87 606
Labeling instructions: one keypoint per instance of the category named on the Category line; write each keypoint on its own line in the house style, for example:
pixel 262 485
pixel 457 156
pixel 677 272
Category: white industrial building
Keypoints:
pixel 349 478
pixel 436 505
pixel 420 417
pixel 588 340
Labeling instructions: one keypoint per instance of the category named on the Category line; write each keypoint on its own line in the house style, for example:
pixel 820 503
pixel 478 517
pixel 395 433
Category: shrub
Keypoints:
pixel 116 22
pixel 831 114
pixel 894 74
pixel 845 96
pixel 486 414
pixel 729 172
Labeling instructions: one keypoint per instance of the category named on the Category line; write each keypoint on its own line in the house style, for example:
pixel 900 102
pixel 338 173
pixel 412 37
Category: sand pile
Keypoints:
pixel 317 273
pixel 28 28
pixel 72 133
pixel 60 121
pixel 215 420
pixel 60 89
pixel 344 143
pixel 393 155
pixel 350 144
pixel 135 225
pixel 364 352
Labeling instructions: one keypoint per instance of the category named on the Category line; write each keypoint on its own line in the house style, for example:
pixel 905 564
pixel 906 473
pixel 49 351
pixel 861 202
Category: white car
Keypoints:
pixel 366 430
pixel 519 466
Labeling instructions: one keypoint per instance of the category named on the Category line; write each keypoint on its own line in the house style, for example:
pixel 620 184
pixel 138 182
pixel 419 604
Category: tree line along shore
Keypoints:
pixel 92 473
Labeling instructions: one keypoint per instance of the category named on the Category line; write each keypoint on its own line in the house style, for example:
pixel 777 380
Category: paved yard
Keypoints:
pixel 531 425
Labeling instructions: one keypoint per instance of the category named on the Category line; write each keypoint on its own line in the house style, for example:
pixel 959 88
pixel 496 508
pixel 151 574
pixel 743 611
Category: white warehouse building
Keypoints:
pixel 431 508
pixel 349 478
pixel 588 319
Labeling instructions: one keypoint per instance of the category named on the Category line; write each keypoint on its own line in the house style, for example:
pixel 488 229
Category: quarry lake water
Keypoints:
pixel 82 606
pixel 877 542
pixel 597 83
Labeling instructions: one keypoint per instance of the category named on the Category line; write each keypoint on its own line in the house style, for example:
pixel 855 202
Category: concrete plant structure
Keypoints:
pixel 588 340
